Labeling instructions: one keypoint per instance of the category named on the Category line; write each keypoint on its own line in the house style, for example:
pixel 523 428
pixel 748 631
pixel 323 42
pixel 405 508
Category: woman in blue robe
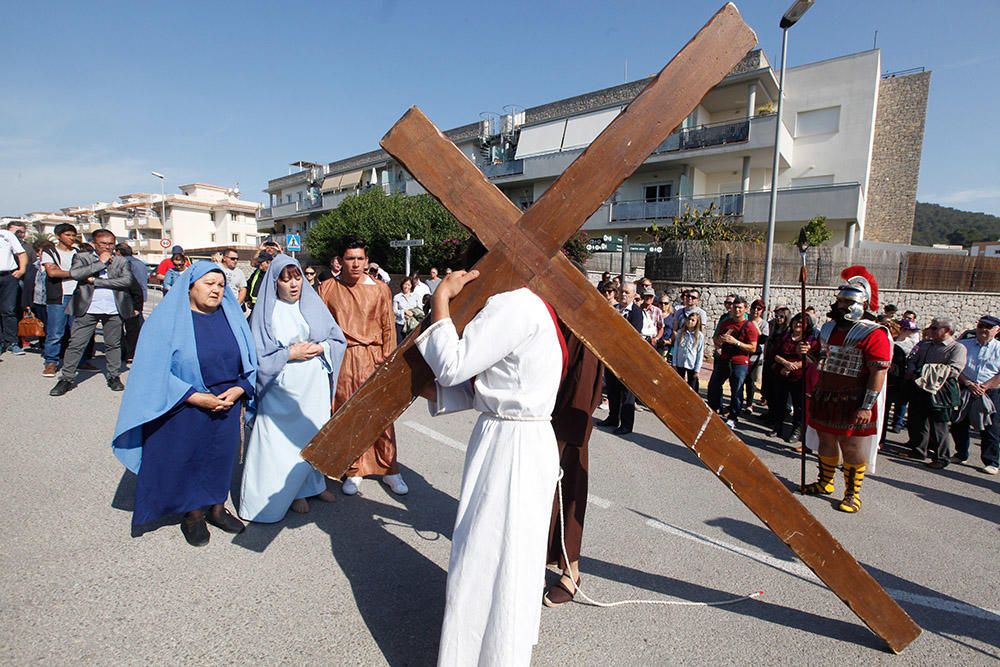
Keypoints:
pixel 179 426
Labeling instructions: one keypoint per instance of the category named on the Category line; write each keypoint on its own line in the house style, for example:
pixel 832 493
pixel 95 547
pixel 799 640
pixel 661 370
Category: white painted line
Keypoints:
pixel 434 435
pixel 597 500
pixel 800 570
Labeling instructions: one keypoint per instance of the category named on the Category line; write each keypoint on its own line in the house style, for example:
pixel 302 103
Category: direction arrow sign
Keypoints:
pixel 406 243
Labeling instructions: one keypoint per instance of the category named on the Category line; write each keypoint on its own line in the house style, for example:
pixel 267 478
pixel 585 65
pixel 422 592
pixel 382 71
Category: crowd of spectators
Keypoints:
pixel 943 383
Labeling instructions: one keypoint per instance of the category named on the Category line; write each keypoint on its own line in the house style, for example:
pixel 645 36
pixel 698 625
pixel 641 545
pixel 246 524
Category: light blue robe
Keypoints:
pixel 290 413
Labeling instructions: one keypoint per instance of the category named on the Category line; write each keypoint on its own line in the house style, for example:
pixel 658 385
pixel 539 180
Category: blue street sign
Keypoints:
pixel 293 242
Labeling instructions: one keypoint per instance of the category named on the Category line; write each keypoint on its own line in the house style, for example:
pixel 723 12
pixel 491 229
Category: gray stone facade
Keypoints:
pixel 899 137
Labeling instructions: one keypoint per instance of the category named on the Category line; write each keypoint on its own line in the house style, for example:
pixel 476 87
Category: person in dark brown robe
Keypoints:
pixel 572 420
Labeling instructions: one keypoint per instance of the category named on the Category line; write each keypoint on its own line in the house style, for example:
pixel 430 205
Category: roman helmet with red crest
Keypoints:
pixel 861 288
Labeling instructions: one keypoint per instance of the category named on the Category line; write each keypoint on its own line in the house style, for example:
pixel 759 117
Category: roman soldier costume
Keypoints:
pixel 851 349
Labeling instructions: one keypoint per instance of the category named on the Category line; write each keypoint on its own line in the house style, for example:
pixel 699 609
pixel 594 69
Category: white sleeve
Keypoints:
pixel 452 399
pixel 15 244
pixel 495 332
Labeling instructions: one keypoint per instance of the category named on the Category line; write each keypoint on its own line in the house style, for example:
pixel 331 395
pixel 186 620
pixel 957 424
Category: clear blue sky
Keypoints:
pixel 97 94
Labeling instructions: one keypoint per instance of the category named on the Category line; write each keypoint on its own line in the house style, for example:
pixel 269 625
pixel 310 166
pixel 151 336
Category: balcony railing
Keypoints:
pixel 508 168
pixel 728 204
pixel 282 210
pixel 706 136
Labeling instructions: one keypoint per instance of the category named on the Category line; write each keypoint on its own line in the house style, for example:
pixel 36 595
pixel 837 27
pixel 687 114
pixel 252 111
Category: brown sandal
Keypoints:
pixel 559 594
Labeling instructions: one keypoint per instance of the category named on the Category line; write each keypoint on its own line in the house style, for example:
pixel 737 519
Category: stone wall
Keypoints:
pixel 899 137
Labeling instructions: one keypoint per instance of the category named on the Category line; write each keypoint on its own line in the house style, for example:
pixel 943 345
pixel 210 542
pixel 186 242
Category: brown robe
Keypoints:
pixel 572 420
pixel 364 312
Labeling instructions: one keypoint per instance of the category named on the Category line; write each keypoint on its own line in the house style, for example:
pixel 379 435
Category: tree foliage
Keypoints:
pixel 706 225
pixel 380 218
pixel 942 224
pixel 817 232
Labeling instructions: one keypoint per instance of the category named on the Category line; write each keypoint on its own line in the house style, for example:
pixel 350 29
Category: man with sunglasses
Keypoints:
pixel 690 304
pixel 235 279
pixel 980 382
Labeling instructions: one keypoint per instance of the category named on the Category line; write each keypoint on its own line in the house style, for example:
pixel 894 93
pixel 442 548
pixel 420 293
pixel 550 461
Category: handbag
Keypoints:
pixel 30 326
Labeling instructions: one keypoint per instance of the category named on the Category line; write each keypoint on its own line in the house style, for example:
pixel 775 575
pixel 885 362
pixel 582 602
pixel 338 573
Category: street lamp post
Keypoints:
pixel 163 201
pixel 790 18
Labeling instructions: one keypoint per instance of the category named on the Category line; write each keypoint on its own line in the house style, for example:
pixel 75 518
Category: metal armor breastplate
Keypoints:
pixel 843 360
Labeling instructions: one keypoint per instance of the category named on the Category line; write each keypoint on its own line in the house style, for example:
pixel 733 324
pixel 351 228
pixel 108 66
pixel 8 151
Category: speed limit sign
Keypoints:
pixel 164 243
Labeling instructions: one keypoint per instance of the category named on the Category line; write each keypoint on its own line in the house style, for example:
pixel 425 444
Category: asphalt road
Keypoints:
pixel 361 581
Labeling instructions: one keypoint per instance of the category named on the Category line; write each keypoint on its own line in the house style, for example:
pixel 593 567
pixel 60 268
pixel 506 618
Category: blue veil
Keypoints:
pixel 322 327
pixel 166 363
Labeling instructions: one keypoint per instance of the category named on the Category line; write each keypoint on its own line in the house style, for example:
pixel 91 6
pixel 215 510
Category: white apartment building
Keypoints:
pixel 848 145
pixel 201 217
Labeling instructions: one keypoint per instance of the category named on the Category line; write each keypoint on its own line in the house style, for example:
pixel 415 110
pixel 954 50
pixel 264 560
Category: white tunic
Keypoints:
pixel 291 412
pixel 506 365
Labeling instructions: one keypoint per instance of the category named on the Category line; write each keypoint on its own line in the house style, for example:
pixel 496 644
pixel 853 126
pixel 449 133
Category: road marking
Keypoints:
pixel 455 444
pixel 434 435
pixel 597 500
pixel 800 570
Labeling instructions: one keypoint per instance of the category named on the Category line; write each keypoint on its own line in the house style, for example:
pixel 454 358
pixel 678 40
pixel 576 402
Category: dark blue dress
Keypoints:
pixel 188 453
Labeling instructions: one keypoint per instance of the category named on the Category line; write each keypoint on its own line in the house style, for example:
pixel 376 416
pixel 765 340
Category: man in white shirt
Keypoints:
pixel 103 294
pixel 420 288
pixel 59 288
pixel 13 263
pixel 235 278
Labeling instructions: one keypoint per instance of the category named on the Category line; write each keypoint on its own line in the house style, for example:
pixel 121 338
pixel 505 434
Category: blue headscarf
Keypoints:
pixel 166 363
pixel 271 354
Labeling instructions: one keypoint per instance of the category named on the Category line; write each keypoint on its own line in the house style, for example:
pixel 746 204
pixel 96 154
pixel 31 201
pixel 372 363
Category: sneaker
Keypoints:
pixel 731 423
pixel 937 464
pixel 15 350
pixel 61 388
pixel 350 485
pixel 49 371
pixel 114 384
pixel 396 484
pixel 991 470
pixel 959 459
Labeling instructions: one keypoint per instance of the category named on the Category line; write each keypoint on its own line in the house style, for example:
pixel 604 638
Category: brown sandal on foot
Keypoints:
pixel 559 594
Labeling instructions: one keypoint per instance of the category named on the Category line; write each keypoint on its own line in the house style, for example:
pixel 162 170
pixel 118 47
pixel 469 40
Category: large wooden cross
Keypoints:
pixel 525 250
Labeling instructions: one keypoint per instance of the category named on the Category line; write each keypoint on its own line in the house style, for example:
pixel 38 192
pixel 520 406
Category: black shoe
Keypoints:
pixel 195 532
pixel 794 436
pixel 225 521
pixel 114 384
pixel 621 430
pixel 61 388
pixel 937 464
pixel 608 423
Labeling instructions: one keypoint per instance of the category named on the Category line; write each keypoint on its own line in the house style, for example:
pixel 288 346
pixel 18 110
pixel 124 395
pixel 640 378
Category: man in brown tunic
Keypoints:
pixel 363 309
pixel 578 397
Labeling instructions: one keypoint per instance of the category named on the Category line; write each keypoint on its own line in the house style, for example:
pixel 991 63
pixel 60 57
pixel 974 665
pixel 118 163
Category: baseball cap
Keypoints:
pixel 265 257
pixel 908 325
pixel 177 250
pixel 990 320
pixel 649 291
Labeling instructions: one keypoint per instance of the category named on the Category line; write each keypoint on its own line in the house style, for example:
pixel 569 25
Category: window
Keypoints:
pixel 817 121
pixel 235 238
pixel 288 199
pixel 234 216
pixel 212 238
pixel 658 191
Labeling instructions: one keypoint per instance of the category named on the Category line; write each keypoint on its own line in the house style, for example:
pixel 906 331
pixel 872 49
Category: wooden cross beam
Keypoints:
pixel 525 250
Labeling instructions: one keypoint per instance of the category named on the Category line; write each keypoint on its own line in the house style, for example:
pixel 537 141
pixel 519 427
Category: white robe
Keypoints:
pixel 291 412
pixel 506 365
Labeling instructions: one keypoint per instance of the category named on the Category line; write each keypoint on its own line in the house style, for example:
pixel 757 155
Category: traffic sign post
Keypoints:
pixel 406 243
pixel 614 243
pixel 164 243
pixel 293 243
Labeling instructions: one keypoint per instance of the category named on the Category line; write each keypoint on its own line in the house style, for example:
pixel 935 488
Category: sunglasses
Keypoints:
pixel 310 273
pixel 727 303
pixel 664 303
pixel 233 257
